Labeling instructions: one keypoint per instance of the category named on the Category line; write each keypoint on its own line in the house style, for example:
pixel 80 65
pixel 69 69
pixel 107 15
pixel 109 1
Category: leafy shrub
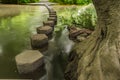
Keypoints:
pixel 72 1
pixel 84 17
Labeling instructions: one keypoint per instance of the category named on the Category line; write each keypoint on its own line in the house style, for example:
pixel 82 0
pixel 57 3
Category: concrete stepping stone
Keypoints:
pixel 38 41
pixel 53 16
pixel 53 19
pixel 28 61
pixel 52 11
pixel 45 30
pixel 49 23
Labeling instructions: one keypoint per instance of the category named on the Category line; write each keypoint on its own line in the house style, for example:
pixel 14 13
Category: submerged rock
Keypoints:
pixel 28 61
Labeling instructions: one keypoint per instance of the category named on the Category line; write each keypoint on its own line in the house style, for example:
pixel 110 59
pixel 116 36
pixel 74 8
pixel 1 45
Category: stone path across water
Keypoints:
pixel 25 61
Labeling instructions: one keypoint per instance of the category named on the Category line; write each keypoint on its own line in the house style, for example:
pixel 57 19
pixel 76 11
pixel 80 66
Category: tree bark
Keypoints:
pixel 98 57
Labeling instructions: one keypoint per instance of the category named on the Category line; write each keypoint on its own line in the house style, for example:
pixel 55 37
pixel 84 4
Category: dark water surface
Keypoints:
pixel 17 23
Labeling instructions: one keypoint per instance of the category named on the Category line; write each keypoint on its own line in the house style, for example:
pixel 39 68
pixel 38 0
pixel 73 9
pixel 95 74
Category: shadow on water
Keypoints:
pixel 56 56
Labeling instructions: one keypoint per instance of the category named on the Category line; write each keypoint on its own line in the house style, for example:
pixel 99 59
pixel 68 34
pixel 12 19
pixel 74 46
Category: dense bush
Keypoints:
pixel 84 17
pixel 72 1
pixel 18 1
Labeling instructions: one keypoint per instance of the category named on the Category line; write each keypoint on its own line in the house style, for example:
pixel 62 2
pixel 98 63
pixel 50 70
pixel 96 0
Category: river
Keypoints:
pixel 17 24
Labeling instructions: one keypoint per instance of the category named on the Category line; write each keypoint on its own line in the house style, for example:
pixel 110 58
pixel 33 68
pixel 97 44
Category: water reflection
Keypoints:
pixel 17 23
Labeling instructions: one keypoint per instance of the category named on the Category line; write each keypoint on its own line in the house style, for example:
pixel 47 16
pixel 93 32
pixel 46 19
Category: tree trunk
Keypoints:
pixel 98 57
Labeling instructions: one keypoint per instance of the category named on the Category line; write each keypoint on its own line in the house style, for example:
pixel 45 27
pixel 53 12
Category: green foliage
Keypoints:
pixel 18 1
pixel 84 17
pixel 9 1
pixel 72 1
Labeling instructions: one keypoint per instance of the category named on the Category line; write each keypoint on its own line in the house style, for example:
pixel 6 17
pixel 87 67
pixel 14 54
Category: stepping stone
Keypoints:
pixel 38 41
pixel 53 16
pixel 28 61
pixel 45 30
pixel 49 23
pixel 52 11
pixel 53 19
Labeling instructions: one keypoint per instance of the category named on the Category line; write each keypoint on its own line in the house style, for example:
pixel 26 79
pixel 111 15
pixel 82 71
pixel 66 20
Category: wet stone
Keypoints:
pixel 53 16
pixel 45 30
pixel 28 61
pixel 53 19
pixel 73 34
pixel 49 23
pixel 52 11
pixel 38 41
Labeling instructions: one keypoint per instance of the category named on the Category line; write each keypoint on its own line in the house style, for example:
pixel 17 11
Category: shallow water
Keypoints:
pixel 17 23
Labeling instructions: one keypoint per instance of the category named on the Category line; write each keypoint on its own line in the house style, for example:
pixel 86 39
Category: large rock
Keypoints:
pixel 49 23
pixel 45 30
pixel 38 41
pixel 28 61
